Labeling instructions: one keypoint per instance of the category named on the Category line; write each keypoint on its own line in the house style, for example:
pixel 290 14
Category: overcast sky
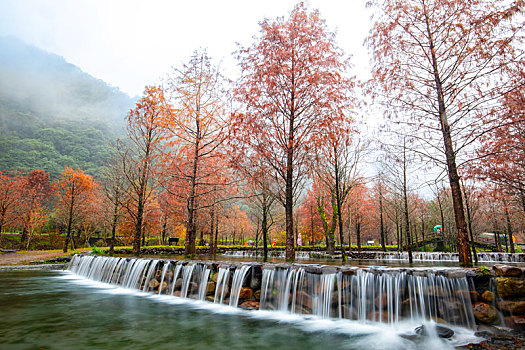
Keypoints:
pixel 131 43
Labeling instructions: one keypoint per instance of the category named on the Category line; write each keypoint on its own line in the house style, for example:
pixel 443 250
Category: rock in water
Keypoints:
pixel 507 271
pixel 153 284
pixel 441 331
pixel 246 293
pixel 485 313
pixel 250 304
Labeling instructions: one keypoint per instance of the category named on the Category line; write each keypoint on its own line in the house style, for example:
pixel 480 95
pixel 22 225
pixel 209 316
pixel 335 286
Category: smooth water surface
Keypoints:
pixel 58 310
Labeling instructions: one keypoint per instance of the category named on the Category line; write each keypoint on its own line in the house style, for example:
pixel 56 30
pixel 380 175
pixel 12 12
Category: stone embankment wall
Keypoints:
pixel 498 297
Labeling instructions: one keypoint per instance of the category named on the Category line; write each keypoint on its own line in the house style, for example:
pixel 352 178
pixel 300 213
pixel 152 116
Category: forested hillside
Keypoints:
pixel 53 114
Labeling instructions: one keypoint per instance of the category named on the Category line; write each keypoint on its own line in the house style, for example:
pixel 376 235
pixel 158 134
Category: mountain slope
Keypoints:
pixel 53 114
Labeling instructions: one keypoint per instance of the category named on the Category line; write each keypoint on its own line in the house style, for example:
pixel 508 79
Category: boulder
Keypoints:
pixel 178 283
pixel 163 286
pixel 193 287
pixel 512 307
pixel 304 299
pixel 485 313
pixel 487 296
pixel 210 289
pixel 515 322
pixel 508 287
pixel 256 280
pixel 441 331
pixel 246 293
pixel 507 271
pixel 471 295
pixel 152 284
pixel 452 310
pixel 250 304
pixel 257 295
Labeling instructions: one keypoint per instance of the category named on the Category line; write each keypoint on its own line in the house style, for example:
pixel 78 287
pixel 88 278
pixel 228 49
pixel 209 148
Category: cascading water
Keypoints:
pixel 275 254
pixel 187 272
pixel 384 295
pixel 238 279
pixel 221 288
pixel 483 257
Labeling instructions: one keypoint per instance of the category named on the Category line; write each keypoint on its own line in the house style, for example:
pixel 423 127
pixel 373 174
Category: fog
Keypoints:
pixel 130 44
pixel 34 81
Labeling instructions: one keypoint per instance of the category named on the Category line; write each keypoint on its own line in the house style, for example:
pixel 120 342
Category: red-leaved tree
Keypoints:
pixel 293 82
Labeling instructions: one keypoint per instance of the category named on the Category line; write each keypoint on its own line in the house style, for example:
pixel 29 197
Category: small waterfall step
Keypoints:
pixel 385 295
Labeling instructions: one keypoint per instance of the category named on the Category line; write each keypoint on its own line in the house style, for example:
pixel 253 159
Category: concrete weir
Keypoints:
pixel 469 298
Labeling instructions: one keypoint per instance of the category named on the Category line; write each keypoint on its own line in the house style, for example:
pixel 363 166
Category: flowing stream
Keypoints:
pixel 166 304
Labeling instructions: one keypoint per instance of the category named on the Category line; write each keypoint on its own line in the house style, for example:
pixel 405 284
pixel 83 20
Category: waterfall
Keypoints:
pixel 187 272
pixel 221 288
pixel 440 256
pixel 152 269
pixel 175 277
pixel 203 276
pixel 386 295
pixel 238 279
pixel 164 270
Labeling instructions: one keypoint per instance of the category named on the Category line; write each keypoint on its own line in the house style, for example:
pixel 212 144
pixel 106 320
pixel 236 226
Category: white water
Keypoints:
pixel 370 335
pixel 484 257
pixel 378 297
pixel 238 279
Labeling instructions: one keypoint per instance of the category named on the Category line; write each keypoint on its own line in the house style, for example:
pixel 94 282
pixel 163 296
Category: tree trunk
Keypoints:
pixel 469 221
pixel 358 232
pixel 423 231
pixel 312 239
pixel 290 245
pixel 264 228
pixel 398 232
pixel 522 197
pixel 495 228
pixel 23 239
pixel 381 223
pixel 465 258
pixel 216 238
pixel 339 204
pixel 328 230
pixel 509 227
pixel 2 219
pixel 212 229
pixel 113 228
pixel 405 200
pixel 138 226
pixel 69 220
pixel 189 244
pixel 442 216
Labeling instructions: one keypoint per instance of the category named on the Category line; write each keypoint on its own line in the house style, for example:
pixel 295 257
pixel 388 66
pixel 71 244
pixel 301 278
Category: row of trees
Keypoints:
pixel 374 211
pixel 447 74
pixel 29 201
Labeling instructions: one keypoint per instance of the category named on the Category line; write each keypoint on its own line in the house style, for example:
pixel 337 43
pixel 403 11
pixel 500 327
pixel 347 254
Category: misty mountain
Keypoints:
pixel 52 113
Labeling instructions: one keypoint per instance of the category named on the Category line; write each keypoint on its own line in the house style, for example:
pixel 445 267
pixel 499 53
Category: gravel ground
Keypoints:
pixel 30 257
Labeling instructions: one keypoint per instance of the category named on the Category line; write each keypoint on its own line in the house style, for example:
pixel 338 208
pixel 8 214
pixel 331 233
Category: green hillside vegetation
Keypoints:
pixel 53 114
